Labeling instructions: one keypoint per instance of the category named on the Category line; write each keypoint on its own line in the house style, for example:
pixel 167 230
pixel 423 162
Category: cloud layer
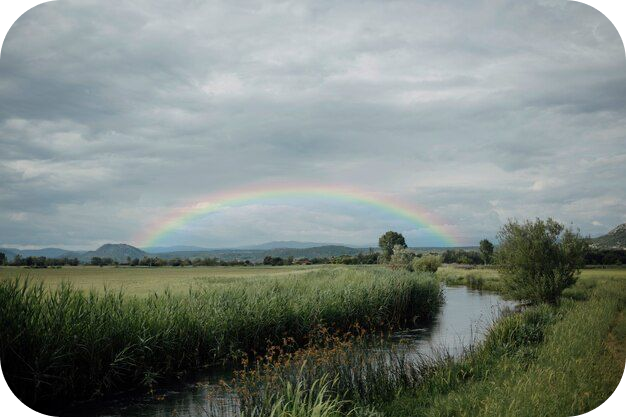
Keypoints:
pixel 114 113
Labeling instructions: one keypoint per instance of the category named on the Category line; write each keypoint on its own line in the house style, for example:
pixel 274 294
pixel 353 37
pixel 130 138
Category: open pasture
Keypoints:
pixel 144 281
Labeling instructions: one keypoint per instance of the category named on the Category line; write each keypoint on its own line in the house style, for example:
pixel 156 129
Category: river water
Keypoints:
pixel 462 320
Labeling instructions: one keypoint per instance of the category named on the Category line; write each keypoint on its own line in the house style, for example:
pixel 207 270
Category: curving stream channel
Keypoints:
pixel 462 320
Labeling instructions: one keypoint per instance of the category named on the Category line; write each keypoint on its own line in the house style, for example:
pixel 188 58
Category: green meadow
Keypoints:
pixel 142 281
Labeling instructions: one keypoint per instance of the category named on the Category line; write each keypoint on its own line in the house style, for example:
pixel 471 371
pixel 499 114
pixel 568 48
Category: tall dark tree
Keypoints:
pixel 3 258
pixel 486 251
pixel 388 241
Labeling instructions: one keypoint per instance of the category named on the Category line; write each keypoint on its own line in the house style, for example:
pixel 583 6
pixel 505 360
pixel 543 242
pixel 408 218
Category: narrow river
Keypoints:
pixel 462 320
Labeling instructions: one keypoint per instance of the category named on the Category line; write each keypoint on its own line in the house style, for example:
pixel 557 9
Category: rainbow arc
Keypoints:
pixel 182 216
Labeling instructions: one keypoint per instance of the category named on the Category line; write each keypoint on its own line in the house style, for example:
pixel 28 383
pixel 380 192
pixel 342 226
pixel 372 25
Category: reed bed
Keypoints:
pixel 547 360
pixel 346 370
pixel 64 344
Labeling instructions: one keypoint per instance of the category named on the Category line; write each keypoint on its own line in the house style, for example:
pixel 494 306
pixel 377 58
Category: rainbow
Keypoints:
pixel 177 218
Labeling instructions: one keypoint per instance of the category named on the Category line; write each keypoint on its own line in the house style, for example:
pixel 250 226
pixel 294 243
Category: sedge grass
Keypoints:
pixel 62 344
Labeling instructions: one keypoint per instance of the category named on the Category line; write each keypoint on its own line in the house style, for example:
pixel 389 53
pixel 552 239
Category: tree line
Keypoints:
pixel 148 261
pixel 536 260
pixel 38 261
pixel 358 259
pixel 393 251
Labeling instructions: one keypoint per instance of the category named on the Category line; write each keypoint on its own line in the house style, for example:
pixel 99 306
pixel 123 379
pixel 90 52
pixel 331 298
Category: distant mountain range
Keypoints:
pixel 284 249
pixel 120 252
pixel 47 252
pixel 615 239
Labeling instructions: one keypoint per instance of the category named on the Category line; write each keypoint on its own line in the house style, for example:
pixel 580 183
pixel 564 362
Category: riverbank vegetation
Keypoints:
pixel 563 355
pixel 59 344
pixel 558 360
pixel 305 335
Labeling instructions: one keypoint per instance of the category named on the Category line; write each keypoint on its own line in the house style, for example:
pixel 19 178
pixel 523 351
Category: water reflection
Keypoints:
pixel 462 320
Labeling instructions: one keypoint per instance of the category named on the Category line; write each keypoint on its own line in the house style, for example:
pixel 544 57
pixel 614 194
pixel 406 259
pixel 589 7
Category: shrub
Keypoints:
pixel 538 260
pixel 402 258
pixel 426 263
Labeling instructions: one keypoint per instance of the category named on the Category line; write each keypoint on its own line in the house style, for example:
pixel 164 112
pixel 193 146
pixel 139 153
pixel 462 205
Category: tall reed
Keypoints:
pixel 63 344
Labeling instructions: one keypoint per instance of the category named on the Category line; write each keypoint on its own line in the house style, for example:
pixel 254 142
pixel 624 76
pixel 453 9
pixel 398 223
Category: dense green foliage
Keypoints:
pixel 486 251
pixel 41 261
pixel 404 258
pixel 388 243
pixel 460 256
pixel 370 258
pixel 426 263
pixel 63 344
pixel 605 257
pixel 401 258
pixel 538 260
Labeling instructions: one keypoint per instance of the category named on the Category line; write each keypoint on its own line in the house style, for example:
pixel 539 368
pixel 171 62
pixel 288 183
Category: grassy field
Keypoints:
pixel 58 343
pixel 145 281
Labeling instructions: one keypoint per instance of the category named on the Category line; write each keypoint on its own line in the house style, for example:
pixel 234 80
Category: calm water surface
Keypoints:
pixel 462 320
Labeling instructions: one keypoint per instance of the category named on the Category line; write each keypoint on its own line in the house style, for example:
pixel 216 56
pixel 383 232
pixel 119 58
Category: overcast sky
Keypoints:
pixel 114 113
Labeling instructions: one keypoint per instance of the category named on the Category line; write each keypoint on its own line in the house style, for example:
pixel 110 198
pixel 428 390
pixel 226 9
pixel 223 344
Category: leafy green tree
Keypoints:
pixel 17 260
pixel 388 241
pixel 538 260
pixel 3 258
pixel 486 251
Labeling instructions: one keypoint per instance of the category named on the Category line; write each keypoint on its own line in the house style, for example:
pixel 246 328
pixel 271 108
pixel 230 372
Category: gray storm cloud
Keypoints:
pixel 113 113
